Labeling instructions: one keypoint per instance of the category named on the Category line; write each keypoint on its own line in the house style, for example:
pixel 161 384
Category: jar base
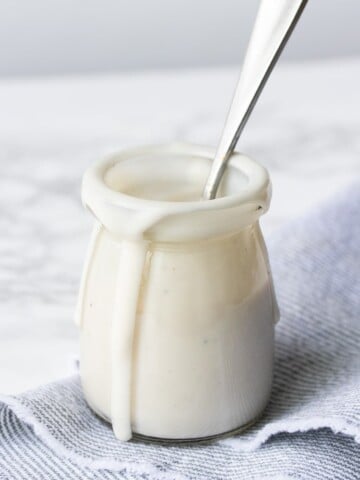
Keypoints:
pixel 197 440
pixel 183 441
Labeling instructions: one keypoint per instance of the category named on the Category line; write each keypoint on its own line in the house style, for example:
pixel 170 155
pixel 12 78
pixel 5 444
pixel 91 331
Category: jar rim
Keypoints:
pixel 95 189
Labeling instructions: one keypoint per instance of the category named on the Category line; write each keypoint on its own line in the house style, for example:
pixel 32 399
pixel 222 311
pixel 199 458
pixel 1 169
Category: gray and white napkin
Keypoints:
pixel 311 428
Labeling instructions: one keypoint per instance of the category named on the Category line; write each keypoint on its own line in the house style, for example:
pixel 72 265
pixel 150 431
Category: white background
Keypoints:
pixel 70 36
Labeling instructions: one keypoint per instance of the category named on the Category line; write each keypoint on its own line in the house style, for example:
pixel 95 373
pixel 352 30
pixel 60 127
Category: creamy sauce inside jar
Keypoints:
pixel 177 336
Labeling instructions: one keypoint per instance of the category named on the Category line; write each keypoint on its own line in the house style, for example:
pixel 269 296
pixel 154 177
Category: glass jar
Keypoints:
pixel 176 307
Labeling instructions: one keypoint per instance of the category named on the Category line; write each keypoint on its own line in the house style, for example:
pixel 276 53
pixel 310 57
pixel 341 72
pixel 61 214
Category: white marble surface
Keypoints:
pixel 306 130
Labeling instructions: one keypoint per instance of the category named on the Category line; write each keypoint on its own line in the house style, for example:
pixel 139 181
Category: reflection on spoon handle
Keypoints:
pixel 274 24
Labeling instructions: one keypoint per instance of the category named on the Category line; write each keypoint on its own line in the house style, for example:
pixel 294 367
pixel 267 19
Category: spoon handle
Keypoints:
pixel 274 24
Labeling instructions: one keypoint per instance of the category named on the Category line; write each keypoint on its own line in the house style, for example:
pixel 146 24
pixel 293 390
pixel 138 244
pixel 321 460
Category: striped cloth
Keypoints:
pixel 311 428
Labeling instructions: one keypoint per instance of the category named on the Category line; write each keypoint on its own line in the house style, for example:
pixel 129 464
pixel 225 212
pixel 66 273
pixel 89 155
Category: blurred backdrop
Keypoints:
pixel 45 37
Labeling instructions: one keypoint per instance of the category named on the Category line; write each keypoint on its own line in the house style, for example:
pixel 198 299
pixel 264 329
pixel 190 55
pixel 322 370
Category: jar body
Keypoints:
pixel 176 307
pixel 202 349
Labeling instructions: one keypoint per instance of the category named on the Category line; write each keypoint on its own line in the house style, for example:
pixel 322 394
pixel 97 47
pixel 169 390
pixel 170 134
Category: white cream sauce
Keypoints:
pixel 176 353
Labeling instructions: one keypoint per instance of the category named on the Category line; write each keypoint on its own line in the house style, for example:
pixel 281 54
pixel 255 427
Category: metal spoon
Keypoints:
pixel 274 24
